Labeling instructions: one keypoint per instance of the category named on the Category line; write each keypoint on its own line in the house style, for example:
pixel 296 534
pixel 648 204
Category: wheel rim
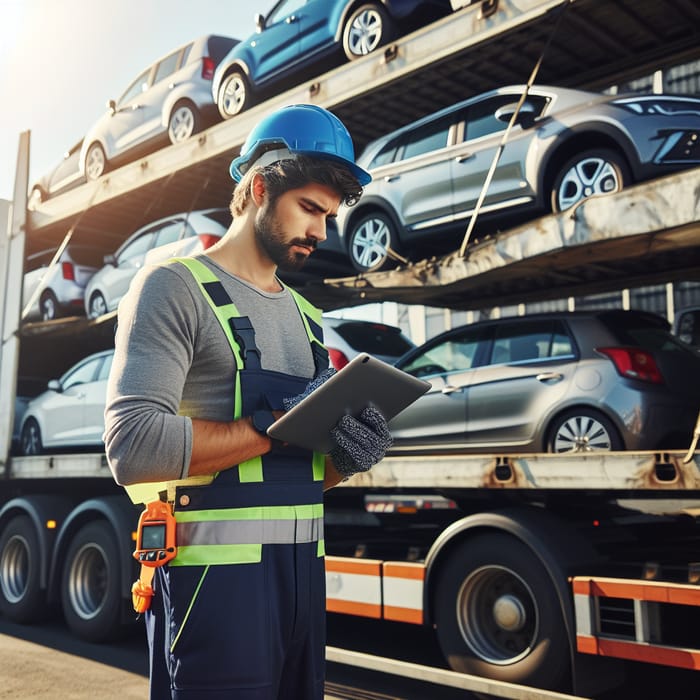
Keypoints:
pixel 14 569
pixel 497 615
pixel 48 309
pixel 370 243
pixel 98 306
pixel 582 434
pixel 95 163
pixel 233 95
pixel 365 33
pixel 181 124
pixel 88 581
pixel 585 178
pixel 31 439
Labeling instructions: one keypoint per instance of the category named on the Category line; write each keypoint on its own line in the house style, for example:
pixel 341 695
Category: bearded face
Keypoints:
pixel 285 252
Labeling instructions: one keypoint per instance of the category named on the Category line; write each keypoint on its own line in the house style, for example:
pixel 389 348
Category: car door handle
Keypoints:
pixel 81 395
pixel 450 389
pixel 291 19
pixel 463 157
pixel 550 377
pixel 391 178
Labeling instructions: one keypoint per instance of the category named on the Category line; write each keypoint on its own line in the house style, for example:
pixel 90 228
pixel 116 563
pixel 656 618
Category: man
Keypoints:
pixel 208 352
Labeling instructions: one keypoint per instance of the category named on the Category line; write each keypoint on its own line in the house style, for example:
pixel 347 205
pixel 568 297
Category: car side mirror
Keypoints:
pixel 112 107
pixel 526 115
pixel 259 22
pixel 55 385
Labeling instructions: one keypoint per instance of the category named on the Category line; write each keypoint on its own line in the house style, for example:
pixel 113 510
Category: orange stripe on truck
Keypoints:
pixel 654 591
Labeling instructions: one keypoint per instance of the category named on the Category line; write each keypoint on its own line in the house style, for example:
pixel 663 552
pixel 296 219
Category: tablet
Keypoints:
pixel 364 380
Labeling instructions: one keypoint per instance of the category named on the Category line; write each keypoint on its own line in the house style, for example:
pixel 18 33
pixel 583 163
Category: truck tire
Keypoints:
pixel 497 614
pixel 21 597
pixel 90 584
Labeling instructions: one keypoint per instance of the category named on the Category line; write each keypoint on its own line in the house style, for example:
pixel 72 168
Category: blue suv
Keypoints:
pixel 297 35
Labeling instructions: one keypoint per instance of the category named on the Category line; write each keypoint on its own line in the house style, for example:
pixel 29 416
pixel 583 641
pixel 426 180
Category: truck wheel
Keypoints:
pixel 369 241
pixel 30 440
pixel 21 596
pixel 367 28
pixel 497 615
pixel 90 585
pixel 596 171
pixel 583 430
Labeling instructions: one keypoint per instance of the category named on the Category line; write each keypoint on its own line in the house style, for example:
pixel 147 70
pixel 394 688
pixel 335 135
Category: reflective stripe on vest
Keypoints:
pixel 236 535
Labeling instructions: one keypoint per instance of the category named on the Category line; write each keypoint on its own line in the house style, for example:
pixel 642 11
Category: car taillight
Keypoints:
pixel 338 359
pixel 68 271
pixel 208 66
pixel 634 363
pixel 208 239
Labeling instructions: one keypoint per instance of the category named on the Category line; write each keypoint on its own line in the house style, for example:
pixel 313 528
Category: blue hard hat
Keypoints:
pixel 299 130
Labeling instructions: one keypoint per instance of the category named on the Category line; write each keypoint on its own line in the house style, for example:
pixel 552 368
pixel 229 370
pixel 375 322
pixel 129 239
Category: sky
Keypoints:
pixel 61 60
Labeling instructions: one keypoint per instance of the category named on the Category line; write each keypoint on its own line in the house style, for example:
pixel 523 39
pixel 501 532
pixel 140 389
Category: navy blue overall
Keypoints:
pixel 240 612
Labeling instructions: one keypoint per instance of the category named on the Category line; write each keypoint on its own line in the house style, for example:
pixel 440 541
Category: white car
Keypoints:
pixel 70 413
pixel 58 289
pixel 180 235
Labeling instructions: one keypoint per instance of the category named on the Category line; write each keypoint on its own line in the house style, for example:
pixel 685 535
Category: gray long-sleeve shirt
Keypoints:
pixel 172 361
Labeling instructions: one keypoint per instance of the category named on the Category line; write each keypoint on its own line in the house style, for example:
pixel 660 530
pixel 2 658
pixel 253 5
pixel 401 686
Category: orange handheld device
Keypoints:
pixel 155 535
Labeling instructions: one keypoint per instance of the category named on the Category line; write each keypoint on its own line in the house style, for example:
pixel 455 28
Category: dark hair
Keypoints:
pixel 293 173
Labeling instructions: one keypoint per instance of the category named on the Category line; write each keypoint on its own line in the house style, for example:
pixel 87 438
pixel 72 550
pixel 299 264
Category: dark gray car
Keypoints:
pixel 566 145
pixel 579 381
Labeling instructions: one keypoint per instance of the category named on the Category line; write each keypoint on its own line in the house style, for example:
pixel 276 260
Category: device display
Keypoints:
pixel 155 536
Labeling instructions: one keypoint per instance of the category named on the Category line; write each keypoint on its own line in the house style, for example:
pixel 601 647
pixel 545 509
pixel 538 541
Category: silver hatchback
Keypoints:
pixel 167 102
pixel 565 145
pixel 559 382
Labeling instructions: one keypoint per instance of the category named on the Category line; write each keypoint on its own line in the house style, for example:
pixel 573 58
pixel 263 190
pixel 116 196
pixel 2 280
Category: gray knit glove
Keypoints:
pixel 290 402
pixel 360 442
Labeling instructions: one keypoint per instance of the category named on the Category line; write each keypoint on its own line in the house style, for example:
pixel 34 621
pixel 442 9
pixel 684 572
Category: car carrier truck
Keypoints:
pixel 546 570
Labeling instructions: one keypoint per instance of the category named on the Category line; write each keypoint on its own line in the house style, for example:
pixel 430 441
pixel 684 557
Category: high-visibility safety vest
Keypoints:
pixel 236 333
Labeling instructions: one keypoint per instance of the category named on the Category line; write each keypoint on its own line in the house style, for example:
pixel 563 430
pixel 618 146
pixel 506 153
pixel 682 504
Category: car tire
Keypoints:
pixel 235 95
pixel 497 615
pixel 90 584
pixel 595 171
pixel 583 430
pixel 22 599
pixel 30 439
pixel 184 122
pixel 367 28
pixel 371 236
pixel 95 161
pixel 97 305
pixel 48 306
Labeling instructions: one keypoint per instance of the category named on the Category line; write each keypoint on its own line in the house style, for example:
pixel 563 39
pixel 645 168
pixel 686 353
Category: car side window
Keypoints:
pixel 169 233
pixel 139 86
pixel 81 375
pixel 526 342
pixel 104 369
pixel 284 9
pixel 481 116
pixel 167 66
pixel 427 138
pixel 455 354
pixel 139 246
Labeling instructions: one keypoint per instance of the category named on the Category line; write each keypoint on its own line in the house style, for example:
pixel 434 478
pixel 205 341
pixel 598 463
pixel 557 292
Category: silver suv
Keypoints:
pixel 558 382
pixel 565 146
pixel 167 102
